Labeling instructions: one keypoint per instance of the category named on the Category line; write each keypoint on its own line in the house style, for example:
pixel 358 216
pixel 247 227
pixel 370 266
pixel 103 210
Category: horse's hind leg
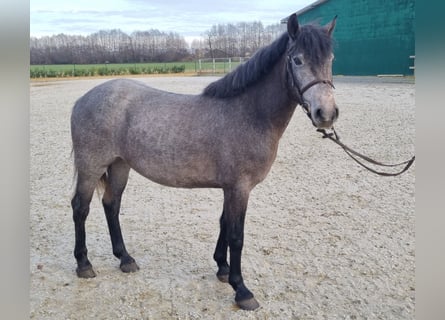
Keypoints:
pixel 81 206
pixel 115 182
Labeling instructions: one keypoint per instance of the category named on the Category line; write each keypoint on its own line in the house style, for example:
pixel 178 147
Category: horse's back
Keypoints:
pixel 108 97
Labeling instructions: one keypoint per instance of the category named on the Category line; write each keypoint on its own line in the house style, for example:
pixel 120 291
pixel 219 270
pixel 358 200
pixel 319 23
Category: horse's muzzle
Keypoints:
pixel 323 118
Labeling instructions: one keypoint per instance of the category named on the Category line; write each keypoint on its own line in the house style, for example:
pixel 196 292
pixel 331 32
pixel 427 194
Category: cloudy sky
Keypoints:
pixel 189 18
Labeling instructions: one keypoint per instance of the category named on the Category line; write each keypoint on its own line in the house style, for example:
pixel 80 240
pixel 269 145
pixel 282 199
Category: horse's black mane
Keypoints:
pixel 309 36
pixel 248 73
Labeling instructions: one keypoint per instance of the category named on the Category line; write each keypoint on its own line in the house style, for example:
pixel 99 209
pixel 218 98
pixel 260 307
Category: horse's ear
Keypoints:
pixel 331 25
pixel 292 26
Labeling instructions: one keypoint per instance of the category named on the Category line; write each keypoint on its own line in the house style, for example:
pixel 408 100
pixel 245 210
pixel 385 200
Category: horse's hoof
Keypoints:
pixel 129 267
pixel 223 273
pixel 248 304
pixel 223 277
pixel 86 273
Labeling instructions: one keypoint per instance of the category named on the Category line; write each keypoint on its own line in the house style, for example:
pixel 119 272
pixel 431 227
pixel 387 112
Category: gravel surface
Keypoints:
pixel 324 239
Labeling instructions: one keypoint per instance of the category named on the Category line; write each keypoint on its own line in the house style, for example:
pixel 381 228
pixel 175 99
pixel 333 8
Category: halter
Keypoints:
pixel 300 91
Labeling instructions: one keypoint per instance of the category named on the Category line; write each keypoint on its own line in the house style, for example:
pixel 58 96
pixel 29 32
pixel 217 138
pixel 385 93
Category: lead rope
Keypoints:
pixel 333 136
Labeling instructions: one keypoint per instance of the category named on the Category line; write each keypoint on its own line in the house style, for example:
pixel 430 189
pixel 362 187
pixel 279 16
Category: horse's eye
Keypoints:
pixel 298 61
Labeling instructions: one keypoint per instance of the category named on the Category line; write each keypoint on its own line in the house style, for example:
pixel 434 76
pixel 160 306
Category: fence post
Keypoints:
pixel 414 63
pixel 214 66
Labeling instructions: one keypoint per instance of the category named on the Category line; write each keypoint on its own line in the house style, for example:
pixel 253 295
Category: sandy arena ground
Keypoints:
pixel 325 239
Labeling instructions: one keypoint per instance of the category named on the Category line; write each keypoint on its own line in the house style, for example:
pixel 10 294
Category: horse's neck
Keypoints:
pixel 272 100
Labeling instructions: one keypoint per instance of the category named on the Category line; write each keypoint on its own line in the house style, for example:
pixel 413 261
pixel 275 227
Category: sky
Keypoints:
pixel 189 18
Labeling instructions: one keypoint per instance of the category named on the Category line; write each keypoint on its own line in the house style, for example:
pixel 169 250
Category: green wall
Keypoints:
pixel 371 36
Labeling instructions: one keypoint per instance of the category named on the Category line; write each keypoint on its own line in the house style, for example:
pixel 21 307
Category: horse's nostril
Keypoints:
pixel 319 114
pixel 337 112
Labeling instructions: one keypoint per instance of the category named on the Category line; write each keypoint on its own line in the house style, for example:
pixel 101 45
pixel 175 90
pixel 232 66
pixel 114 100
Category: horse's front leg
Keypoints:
pixel 220 255
pixel 235 205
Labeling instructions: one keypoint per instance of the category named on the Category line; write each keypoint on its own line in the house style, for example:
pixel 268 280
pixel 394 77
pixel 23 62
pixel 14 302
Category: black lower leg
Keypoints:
pixel 243 297
pixel 128 264
pixel 220 255
pixel 235 205
pixel 80 213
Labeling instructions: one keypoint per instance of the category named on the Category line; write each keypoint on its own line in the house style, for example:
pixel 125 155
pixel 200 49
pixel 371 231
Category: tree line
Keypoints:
pixel 235 40
pixel 115 46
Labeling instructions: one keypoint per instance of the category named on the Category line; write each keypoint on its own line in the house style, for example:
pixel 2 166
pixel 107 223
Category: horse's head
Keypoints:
pixel 309 68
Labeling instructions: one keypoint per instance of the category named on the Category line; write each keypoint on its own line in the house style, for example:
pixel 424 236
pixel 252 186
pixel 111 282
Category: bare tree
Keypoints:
pixel 109 46
pixel 242 39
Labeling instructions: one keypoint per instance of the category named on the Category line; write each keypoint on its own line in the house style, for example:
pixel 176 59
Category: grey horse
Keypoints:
pixel 227 137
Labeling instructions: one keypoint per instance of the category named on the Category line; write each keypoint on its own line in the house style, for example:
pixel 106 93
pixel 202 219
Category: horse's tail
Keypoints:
pixel 100 188
pixel 74 180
